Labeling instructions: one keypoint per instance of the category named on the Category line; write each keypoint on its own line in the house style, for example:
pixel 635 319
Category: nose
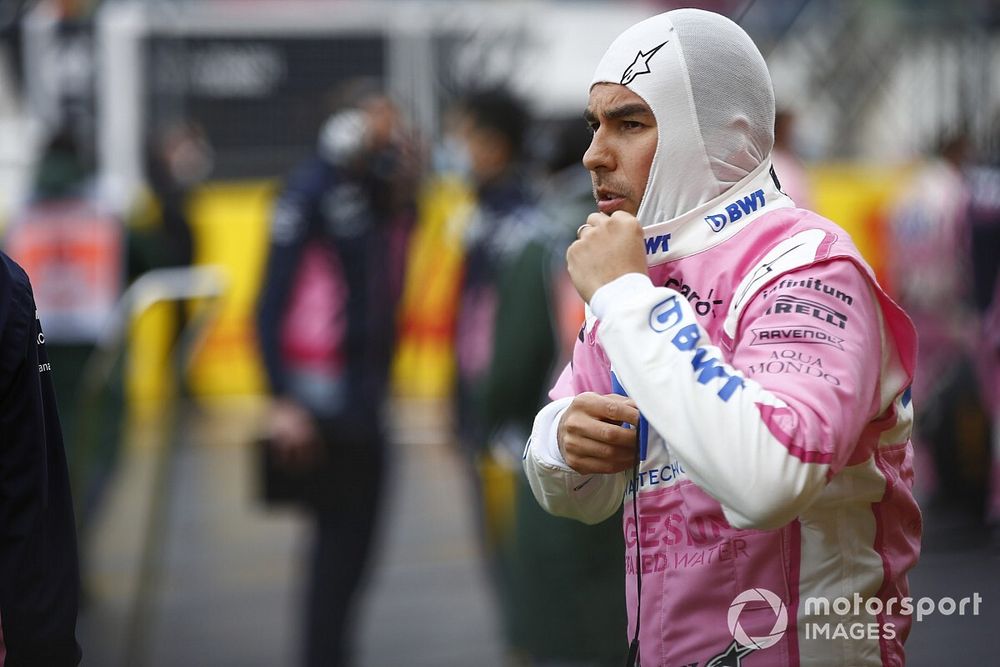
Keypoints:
pixel 599 156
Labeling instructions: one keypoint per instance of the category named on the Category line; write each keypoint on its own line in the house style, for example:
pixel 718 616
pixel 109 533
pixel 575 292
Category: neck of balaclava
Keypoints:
pixel 714 221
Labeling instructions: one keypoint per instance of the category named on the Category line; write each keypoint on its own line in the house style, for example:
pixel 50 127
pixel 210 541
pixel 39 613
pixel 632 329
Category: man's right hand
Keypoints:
pixel 591 436
pixel 293 433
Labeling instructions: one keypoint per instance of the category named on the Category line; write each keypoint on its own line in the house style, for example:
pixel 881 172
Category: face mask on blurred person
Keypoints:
pixel 451 157
pixel 343 137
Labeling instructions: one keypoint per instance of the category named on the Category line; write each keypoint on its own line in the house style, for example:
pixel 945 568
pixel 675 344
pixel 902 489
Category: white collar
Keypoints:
pixel 717 220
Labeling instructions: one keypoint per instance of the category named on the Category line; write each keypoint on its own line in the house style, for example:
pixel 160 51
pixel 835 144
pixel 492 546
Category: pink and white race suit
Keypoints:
pixel 772 374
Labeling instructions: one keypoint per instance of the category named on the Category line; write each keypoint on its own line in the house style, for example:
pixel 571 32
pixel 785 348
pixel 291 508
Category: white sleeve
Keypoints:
pixel 559 489
pixel 708 413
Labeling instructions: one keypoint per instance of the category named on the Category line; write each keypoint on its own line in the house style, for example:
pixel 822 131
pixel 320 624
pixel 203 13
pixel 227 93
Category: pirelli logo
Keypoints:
pixel 786 304
pixel 799 334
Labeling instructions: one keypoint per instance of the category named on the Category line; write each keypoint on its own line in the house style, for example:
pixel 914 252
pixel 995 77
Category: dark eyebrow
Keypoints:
pixel 627 110
pixel 618 113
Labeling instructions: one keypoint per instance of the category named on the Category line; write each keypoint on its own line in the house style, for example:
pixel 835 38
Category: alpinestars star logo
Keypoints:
pixel 640 65
pixel 732 656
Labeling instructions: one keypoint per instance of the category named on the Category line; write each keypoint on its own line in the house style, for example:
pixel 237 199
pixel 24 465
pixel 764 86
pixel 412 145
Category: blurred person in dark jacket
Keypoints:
pixel 39 571
pixel 559 584
pixel 326 324
pixel 178 158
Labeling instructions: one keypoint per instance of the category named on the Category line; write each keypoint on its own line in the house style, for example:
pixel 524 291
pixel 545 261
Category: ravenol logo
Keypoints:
pixel 756 596
pixel 736 210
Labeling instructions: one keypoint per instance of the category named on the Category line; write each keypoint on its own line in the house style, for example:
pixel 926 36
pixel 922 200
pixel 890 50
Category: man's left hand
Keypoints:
pixel 609 247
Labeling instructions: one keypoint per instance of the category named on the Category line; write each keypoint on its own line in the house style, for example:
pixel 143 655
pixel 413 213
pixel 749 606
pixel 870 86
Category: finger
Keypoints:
pixel 585 426
pixel 597 219
pixel 596 466
pixel 619 409
pixel 584 447
pixel 610 407
pixel 623 217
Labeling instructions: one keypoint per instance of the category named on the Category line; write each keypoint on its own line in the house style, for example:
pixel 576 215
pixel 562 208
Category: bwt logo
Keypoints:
pixel 755 596
pixel 666 315
pixel 669 314
pixel 736 210
pixel 655 244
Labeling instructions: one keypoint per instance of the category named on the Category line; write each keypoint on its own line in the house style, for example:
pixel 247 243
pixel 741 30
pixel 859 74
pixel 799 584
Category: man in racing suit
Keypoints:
pixel 741 380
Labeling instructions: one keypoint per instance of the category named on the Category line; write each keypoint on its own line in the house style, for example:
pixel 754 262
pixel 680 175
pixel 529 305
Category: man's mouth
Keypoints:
pixel 608 201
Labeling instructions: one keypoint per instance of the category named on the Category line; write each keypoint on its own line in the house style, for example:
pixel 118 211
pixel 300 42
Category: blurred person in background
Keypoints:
pixel 930 270
pixel 560 595
pixel 39 571
pixel 70 243
pixel 63 186
pixel 742 381
pixel 326 324
pixel 424 365
pixel 984 229
pixel 791 172
pixel 178 158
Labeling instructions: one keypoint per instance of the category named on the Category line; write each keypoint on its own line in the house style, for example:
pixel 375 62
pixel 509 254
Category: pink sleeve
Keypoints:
pixel 761 428
pixel 589 370
pixel 813 339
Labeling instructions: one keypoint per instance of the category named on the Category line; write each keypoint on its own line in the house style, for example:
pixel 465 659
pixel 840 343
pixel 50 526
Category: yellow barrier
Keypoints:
pixel 857 197
pixel 229 225
pixel 423 366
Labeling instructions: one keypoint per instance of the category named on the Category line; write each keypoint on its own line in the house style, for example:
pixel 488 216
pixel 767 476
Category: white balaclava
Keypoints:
pixel 711 94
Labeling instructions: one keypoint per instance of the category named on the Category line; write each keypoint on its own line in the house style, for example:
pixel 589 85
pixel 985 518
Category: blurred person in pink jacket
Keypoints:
pixel 741 381
pixel 934 274
pixel 929 260
pixel 984 242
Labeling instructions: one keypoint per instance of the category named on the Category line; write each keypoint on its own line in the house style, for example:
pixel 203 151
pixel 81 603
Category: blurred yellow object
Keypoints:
pixel 499 485
pixel 148 378
pixel 230 223
pixel 424 366
pixel 146 212
pixel 230 228
pixel 858 198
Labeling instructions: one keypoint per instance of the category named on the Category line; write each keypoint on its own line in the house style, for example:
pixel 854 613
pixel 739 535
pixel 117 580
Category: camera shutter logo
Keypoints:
pixel 755 595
